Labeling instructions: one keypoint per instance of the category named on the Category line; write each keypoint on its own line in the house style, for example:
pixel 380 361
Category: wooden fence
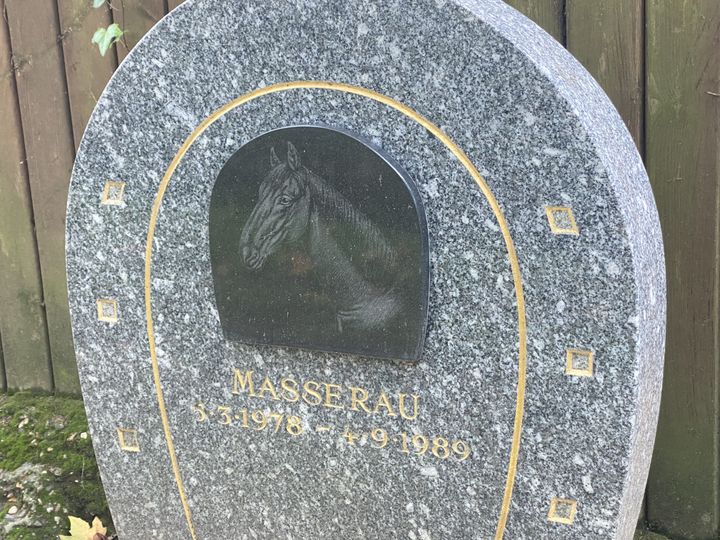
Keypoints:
pixel 659 60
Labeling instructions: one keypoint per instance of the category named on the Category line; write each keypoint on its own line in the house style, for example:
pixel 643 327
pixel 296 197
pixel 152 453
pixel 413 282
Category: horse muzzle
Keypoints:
pixel 252 258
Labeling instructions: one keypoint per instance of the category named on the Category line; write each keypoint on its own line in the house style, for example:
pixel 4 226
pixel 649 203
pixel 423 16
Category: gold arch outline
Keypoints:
pixel 459 154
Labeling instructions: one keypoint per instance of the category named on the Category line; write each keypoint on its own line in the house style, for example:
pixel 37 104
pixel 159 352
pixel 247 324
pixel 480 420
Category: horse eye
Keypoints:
pixel 285 200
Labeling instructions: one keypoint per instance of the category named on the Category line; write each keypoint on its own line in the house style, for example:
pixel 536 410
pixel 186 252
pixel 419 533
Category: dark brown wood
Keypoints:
pixel 47 134
pixel 136 17
pixel 22 316
pixel 549 14
pixel 87 72
pixel 608 38
pixel 682 141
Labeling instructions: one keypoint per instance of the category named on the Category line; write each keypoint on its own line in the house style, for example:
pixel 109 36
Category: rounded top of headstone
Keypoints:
pixel 303 169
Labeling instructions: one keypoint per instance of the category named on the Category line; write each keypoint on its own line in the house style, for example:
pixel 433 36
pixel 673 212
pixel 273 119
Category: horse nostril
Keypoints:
pixel 251 257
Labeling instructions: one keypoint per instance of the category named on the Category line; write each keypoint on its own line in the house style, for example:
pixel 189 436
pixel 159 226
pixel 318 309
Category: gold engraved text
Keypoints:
pixel 325 394
pixel 254 420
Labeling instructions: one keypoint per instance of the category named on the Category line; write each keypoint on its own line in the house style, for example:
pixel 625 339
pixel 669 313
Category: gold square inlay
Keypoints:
pixel 561 220
pixel 107 310
pixel 562 511
pixel 579 362
pixel 128 439
pixel 113 193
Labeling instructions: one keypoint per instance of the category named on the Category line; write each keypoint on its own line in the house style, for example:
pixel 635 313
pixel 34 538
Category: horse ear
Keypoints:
pixel 293 158
pixel 274 160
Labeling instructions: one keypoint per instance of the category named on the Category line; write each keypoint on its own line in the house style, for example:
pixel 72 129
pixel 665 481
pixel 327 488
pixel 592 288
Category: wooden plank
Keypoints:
pixel 2 367
pixel 86 71
pixel 22 315
pixel 172 4
pixel 608 39
pixel 549 14
pixel 682 141
pixel 136 17
pixel 47 133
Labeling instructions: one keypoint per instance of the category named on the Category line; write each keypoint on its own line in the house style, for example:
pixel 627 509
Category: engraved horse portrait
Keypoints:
pixel 296 206
pixel 327 252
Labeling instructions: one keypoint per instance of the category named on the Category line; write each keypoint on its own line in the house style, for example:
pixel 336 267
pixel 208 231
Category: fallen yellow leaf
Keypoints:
pixel 79 530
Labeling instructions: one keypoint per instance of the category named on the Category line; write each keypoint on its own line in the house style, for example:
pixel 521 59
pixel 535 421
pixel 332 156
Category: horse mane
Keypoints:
pixel 336 205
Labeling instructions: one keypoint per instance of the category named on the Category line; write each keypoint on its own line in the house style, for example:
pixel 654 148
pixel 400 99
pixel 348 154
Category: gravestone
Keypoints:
pixel 360 269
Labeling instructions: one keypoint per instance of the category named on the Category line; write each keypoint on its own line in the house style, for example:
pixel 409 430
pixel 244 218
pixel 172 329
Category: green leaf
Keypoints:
pixel 115 30
pixel 98 35
pixel 98 3
pixel 105 37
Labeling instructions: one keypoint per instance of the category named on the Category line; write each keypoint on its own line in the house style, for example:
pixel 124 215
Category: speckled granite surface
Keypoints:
pixel 542 135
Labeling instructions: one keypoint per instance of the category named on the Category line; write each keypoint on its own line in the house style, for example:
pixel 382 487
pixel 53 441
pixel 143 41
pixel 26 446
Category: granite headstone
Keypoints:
pixel 363 269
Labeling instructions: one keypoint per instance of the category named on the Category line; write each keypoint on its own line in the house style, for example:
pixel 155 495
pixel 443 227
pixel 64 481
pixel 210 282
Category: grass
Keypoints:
pixel 47 467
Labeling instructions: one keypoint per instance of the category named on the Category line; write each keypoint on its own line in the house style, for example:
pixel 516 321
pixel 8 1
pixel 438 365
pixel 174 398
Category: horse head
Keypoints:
pixel 282 212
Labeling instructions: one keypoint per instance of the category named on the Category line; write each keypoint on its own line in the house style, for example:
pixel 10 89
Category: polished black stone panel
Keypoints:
pixel 319 241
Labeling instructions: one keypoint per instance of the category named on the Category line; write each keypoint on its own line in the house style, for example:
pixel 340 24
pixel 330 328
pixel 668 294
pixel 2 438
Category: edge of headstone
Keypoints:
pixel 633 192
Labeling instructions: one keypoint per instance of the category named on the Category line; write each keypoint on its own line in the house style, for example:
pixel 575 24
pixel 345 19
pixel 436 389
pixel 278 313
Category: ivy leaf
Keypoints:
pixel 79 530
pixel 105 37
pixel 115 31
pixel 98 3
pixel 98 35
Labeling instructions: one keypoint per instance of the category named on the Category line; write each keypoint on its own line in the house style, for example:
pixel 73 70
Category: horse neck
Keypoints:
pixel 332 205
pixel 362 305
pixel 336 268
